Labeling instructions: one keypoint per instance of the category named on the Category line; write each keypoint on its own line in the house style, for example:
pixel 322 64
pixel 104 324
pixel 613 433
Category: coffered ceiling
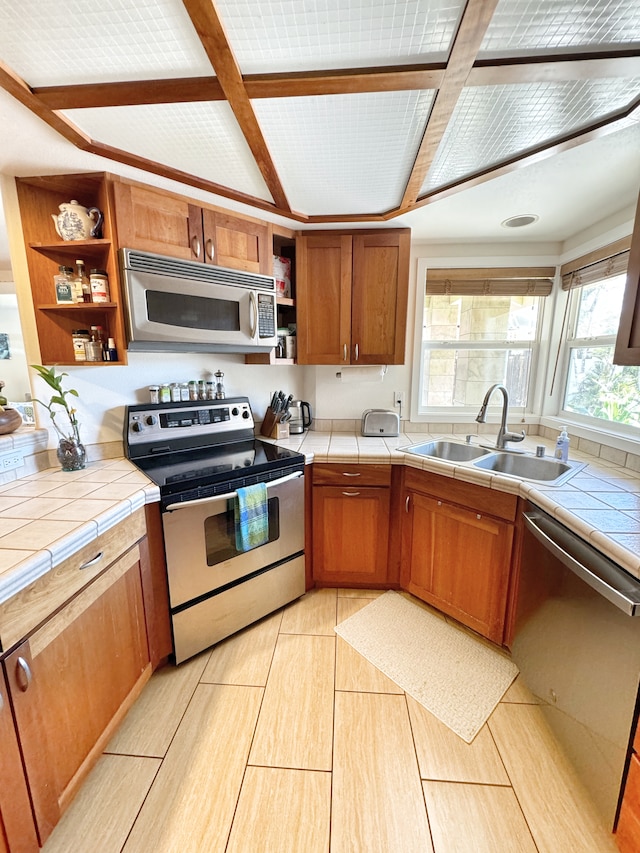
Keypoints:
pixel 326 110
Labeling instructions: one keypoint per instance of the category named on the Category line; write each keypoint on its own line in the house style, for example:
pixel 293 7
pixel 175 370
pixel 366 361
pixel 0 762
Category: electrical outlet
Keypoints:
pixel 398 398
pixel 8 461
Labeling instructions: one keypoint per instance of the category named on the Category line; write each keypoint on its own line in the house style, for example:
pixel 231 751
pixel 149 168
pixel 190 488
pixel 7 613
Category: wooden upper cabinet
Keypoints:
pixel 379 297
pixel 352 297
pixel 627 350
pixel 323 298
pixel 158 222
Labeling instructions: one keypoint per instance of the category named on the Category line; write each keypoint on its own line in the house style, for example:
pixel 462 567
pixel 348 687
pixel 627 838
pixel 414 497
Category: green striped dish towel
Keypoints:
pixel 251 515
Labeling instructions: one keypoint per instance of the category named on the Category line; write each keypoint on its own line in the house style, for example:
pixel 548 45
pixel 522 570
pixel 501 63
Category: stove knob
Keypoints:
pixel 245 414
pixel 235 412
pixel 151 420
pixel 136 426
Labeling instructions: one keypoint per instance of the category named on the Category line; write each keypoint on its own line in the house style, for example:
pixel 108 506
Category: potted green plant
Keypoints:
pixel 71 452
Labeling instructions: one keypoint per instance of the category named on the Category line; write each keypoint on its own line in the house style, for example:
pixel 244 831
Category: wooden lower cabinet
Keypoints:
pixel 351 524
pixel 456 549
pixel 17 827
pixel 628 828
pixel 72 681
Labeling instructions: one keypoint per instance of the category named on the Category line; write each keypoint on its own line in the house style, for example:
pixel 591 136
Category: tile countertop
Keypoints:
pixel 46 516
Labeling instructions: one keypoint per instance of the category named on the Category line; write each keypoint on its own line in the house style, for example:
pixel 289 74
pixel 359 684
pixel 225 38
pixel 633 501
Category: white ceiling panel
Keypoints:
pixel 199 138
pixel 296 35
pixel 344 153
pixel 60 42
pixel 530 25
pixel 493 123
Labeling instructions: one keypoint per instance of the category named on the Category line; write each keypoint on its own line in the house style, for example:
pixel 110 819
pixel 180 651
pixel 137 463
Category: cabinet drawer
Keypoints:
pixel 38 601
pixel 335 474
pixel 468 495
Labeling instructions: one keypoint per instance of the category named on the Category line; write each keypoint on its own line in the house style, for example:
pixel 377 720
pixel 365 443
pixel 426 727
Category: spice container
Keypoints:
pixel 193 390
pixel 165 394
pixel 184 391
pixel 80 337
pixel 175 392
pixel 80 284
pixel 154 394
pixel 99 281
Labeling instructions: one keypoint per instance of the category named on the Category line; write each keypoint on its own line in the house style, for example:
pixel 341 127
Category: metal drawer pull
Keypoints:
pixel 351 494
pixel 344 352
pixel 406 503
pixel 439 503
pixel 1 702
pixel 357 352
pixel 195 246
pixel 24 676
pixel 347 474
pixel 209 249
pixel 95 560
pixel 478 516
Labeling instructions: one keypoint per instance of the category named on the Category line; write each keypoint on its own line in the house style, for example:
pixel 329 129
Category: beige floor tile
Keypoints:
pixel 476 819
pixel 282 811
pixel 353 671
pixel 377 801
pixel 314 613
pixel 444 756
pixel 296 719
pixel 360 593
pixel 545 784
pixel 245 658
pixel 191 803
pixel 152 722
pixel 100 817
pixel 519 692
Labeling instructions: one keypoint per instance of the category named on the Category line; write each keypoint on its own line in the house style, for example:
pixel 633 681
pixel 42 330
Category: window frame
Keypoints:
pixel 538 346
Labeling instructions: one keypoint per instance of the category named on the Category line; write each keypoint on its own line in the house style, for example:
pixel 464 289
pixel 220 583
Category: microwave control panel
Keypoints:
pixel 266 315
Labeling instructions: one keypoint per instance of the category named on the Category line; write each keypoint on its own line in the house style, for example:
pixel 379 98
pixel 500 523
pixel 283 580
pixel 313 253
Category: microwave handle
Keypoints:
pixel 253 312
pixel 229 495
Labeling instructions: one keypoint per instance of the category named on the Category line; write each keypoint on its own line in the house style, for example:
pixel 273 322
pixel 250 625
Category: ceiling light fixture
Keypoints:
pixel 520 221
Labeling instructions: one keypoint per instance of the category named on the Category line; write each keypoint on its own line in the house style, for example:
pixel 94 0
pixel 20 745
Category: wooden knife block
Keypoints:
pixel 272 427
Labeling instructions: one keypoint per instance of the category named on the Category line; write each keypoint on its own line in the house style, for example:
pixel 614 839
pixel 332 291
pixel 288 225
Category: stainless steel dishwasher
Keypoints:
pixel 577 644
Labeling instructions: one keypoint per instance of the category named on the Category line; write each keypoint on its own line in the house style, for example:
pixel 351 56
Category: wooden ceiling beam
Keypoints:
pixel 170 91
pixel 211 33
pixel 475 20
pixel 339 82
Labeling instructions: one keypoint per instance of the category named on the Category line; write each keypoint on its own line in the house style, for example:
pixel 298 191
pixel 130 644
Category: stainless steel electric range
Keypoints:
pixel 199 453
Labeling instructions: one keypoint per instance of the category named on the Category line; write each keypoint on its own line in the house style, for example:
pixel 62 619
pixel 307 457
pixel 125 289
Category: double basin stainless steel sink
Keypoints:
pixel 516 464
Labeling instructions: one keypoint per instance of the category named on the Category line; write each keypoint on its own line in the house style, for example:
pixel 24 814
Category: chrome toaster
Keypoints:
pixel 380 422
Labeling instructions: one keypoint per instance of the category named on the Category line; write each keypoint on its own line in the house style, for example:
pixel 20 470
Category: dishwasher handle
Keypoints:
pixel 602 575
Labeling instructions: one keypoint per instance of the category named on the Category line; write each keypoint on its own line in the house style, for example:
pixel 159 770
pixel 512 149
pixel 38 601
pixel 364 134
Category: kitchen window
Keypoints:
pixel 595 388
pixel 480 326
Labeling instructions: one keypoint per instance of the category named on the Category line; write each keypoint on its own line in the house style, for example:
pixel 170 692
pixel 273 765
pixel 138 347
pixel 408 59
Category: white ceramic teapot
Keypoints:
pixel 75 222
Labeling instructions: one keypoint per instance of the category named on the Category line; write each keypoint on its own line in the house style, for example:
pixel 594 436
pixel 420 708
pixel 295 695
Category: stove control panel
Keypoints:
pixel 201 418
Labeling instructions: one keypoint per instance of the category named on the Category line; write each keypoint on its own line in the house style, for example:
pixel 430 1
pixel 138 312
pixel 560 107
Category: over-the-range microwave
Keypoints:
pixel 187 306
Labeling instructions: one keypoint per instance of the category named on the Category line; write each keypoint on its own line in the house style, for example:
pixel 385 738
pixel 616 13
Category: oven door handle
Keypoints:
pixel 229 495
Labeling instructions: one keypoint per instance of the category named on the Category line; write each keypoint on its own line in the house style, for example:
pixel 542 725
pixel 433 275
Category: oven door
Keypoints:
pixel 200 540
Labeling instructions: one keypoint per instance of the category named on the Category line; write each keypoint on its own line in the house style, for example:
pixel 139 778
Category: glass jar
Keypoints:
pixel 175 392
pixel 154 394
pixel 165 393
pixel 80 337
pixel 64 286
pixel 193 389
pixel 95 346
pixel 99 281
pixel 184 391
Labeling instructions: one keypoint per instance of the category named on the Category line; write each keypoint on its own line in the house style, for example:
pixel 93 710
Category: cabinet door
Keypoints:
pixel 237 243
pixel 156 222
pixel 73 681
pixel 323 299
pixel 458 561
pixel 379 297
pixel 350 534
pixel 17 829
pixel 627 349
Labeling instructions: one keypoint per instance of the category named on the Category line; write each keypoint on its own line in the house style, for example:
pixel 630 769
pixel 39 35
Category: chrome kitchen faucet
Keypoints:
pixel 503 433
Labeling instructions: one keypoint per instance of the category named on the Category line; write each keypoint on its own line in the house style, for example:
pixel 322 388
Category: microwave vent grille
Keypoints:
pixel 147 262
